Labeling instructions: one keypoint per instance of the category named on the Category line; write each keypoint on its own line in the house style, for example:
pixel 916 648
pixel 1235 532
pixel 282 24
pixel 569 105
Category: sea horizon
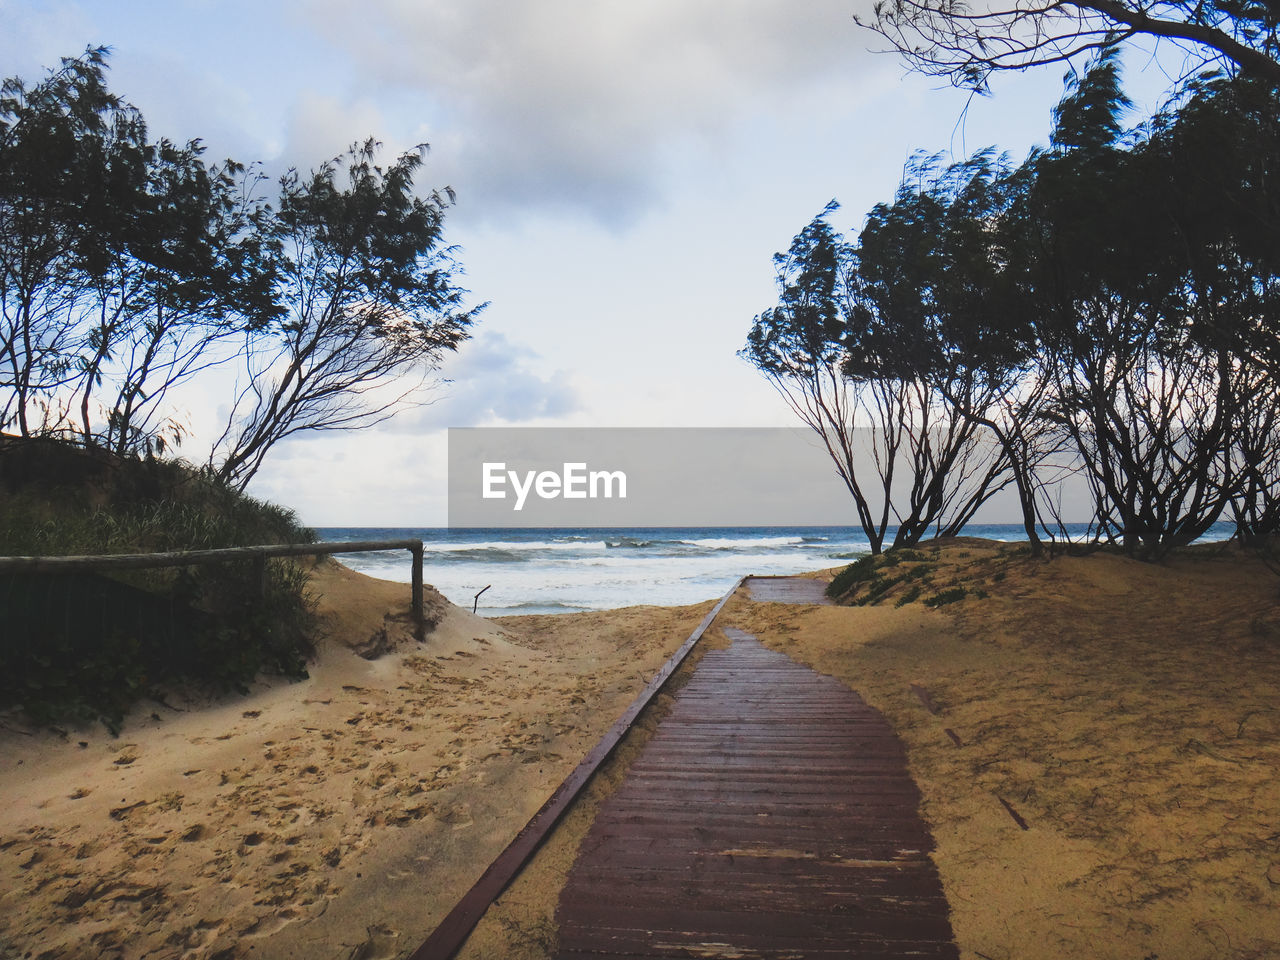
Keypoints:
pixel 525 570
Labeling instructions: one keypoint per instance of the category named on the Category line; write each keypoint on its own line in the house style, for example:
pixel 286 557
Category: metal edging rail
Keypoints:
pixel 187 558
pixel 454 930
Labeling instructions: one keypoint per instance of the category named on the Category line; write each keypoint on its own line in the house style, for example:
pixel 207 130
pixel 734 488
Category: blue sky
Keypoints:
pixel 624 172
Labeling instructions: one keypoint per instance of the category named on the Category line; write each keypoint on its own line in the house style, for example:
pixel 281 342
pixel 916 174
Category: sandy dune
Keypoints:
pixel 1126 713
pixel 340 816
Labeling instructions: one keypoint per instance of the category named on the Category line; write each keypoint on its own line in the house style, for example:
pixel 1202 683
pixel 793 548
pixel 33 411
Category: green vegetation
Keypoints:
pixel 129 267
pixel 1104 309
pixel 855 573
pixel 910 596
pixel 905 575
pixel 83 647
pixel 867 582
pixel 950 595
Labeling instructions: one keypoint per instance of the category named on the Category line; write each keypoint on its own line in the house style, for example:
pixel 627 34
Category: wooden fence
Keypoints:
pixel 188 558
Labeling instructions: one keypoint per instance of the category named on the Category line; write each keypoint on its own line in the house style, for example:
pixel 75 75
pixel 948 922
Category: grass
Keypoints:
pixel 950 595
pixel 855 573
pixel 910 596
pixel 86 647
pixel 901 575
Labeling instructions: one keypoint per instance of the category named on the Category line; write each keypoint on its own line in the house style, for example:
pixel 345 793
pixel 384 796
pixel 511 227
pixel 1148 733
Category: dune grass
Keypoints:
pixel 85 647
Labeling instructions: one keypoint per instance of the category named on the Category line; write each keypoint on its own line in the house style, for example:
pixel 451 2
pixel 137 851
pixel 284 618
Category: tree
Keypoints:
pixel 1145 382
pixel 1113 298
pixel 796 345
pixel 189 267
pixel 949 316
pixel 122 262
pixel 369 301
pixel 128 267
pixel 66 148
pixel 967 42
pixel 1217 157
pixel 900 449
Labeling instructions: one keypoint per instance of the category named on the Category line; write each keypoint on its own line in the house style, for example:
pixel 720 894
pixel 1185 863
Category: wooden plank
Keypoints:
pixel 780 944
pixel 868 951
pixel 753 926
pixel 774 896
pixel 788 590
pixel 795 835
pixel 820 823
pixel 713 951
pixel 453 931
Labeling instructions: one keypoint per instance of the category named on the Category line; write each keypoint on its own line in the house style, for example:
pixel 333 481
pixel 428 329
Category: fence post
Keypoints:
pixel 416 550
pixel 263 577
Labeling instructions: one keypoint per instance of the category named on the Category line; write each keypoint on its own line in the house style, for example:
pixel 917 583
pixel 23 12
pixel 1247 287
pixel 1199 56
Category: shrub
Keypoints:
pixel 855 573
pixel 910 596
pixel 83 647
pixel 946 596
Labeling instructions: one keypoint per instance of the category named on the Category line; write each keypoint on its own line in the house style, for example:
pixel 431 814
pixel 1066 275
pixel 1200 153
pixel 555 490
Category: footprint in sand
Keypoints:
pixel 271 923
pixel 459 818
pixel 380 944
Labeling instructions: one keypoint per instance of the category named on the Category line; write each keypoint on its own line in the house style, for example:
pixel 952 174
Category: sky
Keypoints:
pixel 624 172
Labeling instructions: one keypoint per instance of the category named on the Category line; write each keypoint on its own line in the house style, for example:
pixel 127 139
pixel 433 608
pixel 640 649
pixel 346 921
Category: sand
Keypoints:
pixel 1125 713
pixel 341 816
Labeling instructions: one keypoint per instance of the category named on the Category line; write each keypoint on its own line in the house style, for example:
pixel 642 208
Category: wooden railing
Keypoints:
pixel 189 558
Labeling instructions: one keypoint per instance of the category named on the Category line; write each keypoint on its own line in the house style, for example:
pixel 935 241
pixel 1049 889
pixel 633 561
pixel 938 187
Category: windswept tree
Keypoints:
pixel 187 268
pixel 1217 159
pixel 122 262
pixel 370 307
pixel 797 346
pixel 966 42
pixel 906 456
pixel 1136 323
pixel 130 266
pixel 948 315
pixel 1109 307
pixel 68 150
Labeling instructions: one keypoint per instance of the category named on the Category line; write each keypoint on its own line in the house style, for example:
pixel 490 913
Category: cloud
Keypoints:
pixel 579 104
pixel 34 37
pixel 322 127
pixel 491 382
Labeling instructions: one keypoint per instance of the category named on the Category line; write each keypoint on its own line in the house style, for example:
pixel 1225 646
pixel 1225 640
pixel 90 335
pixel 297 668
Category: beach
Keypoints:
pixel 1124 713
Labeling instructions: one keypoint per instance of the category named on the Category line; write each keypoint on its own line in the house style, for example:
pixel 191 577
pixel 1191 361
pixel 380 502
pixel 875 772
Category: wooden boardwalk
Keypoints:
pixel 787 589
pixel 770 816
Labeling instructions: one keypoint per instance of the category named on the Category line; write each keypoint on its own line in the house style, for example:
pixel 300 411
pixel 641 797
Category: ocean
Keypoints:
pixel 562 570
pixel 567 569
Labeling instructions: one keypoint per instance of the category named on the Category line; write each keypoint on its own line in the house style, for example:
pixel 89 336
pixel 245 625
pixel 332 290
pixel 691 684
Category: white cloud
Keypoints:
pixel 575 103
pixel 323 126
pixel 37 34
pixel 491 382
pixel 361 478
